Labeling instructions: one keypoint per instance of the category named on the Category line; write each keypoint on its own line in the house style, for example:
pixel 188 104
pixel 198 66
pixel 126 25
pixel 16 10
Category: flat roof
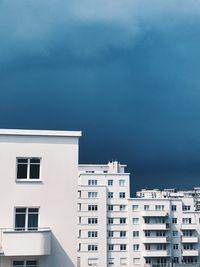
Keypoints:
pixel 40 133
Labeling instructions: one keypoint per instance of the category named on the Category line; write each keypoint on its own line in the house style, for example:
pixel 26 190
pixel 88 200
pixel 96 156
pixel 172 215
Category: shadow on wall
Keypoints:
pixel 58 257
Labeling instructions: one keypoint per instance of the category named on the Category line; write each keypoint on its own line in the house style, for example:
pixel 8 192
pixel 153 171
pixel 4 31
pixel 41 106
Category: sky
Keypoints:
pixel 125 73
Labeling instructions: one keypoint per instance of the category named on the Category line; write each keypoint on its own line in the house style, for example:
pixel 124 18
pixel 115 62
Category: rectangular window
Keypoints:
pixel 92 234
pixel 122 194
pixel 122 182
pixel 28 168
pixel 185 208
pixel 92 182
pixel 92 220
pixel 135 220
pixel 110 207
pixel 146 207
pixel 122 233
pixel 175 246
pixel 110 194
pixel 110 182
pixel 122 247
pixel 173 207
pixel 92 207
pixel 110 233
pixel 92 194
pixel 25 263
pixel 187 220
pixel 175 233
pixel 110 220
pixel 159 207
pixel 122 220
pixel 26 219
pixel 136 247
pixel 110 247
pixel 92 247
pixel 122 207
pixel 135 207
pixel 135 234
pixel 174 220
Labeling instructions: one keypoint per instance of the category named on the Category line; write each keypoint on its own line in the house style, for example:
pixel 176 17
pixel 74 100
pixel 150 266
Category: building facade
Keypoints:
pixel 158 228
pixel 38 197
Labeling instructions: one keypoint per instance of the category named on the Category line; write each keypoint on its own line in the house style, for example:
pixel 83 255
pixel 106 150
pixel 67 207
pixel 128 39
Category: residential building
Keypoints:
pixel 38 197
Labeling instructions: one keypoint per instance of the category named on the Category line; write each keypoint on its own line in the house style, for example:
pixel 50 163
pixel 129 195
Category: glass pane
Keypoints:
pixel 20 221
pixel 35 160
pixel 34 171
pixel 20 210
pixel 18 263
pixel 31 263
pixel 22 160
pixel 33 221
pixel 22 171
pixel 33 210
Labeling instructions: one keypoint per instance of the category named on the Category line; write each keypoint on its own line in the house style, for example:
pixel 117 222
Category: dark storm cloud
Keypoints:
pixel 124 72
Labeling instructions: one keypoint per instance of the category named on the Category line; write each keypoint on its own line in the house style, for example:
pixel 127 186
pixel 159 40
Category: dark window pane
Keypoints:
pixel 35 160
pixel 34 171
pixel 18 263
pixel 22 171
pixel 20 221
pixel 22 160
pixel 20 210
pixel 32 221
pixel 30 210
pixel 31 263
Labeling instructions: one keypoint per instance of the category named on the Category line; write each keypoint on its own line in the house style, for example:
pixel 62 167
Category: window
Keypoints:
pixel 173 207
pixel 147 247
pixel 110 220
pixel 92 182
pixel 122 182
pixel 92 247
pixel 146 207
pixel 92 234
pixel 110 247
pixel 136 261
pixel 175 233
pixel 25 263
pixel 161 247
pixel 185 208
pixel 92 207
pixel 122 207
pixel 147 233
pixel 135 220
pixel 135 207
pixel 187 220
pixel 122 247
pixel 159 207
pixel 28 168
pixel 175 260
pixel 122 233
pixel 175 246
pixel 135 234
pixel 122 195
pixel 110 182
pixel 26 219
pixel 188 233
pixel 92 220
pixel 92 194
pixel 110 207
pixel 136 247
pixel 111 261
pixel 122 220
pixel 110 194
pixel 110 233
pixel 174 220
pixel 160 233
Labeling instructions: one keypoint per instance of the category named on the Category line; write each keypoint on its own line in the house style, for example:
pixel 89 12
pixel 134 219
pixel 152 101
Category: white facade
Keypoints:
pixel 38 198
pixel 158 228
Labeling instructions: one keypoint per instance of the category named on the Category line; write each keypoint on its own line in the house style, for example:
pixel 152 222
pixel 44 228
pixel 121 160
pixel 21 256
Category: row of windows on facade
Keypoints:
pixel 110 220
pixel 93 247
pixel 160 220
pixel 94 194
pixel 94 234
pixel 160 233
pixel 159 207
pixel 93 207
pixel 94 261
pixel 28 263
pixel 121 182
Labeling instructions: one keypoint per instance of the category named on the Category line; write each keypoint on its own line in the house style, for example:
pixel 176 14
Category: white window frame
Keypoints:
pixel 26 218
pixel 24 263
pixel 28 179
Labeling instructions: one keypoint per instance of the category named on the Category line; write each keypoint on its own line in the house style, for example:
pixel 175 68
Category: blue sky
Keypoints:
pixel 126 73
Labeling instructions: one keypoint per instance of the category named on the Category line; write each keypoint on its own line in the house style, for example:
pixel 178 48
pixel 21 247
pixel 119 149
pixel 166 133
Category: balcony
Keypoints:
pixel 189 239
pixel 188 226
pixel 154 213
pixel 190 253
pixel 25 243
pixel 156 253
pixel 156 239
pixel 156 226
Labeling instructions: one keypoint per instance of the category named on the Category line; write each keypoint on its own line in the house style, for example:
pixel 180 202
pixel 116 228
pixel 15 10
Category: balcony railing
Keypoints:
pixel 25 242
pixel 155 213
pixel 156 239
pixel 156 253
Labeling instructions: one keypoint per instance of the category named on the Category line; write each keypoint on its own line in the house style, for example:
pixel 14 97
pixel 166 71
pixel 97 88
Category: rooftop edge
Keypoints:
pixel 40 133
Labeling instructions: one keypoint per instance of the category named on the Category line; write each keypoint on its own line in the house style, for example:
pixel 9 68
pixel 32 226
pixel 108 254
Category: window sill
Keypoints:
pixel 24 181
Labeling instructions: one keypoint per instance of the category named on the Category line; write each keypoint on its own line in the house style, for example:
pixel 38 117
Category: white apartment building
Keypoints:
pixel 156 229
pixel 38 197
